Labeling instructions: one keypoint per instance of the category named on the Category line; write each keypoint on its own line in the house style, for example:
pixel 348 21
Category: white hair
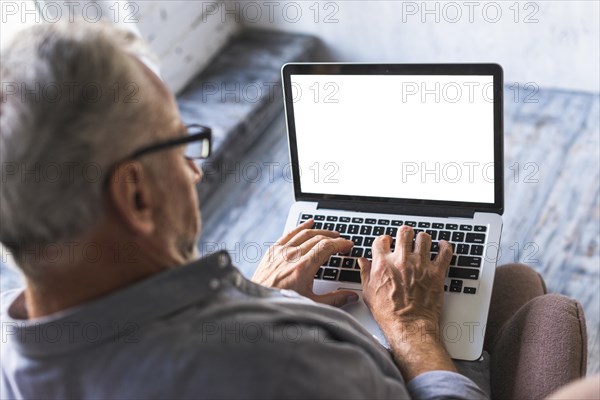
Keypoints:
pixel 70 108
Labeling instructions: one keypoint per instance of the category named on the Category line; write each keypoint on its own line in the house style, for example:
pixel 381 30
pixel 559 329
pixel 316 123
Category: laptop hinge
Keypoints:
pixel 428 210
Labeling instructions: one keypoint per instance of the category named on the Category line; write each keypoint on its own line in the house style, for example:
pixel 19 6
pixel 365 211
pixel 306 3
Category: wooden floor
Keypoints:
pixel 552 194
pixel 552 216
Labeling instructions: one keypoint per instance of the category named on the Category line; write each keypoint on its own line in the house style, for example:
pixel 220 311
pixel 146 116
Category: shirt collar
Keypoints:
pixel 119 314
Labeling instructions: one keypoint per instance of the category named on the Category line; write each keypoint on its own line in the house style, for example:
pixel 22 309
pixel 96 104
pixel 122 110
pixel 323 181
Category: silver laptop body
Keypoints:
pixel 377 146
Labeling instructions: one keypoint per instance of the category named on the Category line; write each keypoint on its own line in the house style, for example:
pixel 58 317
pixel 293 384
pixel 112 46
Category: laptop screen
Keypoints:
pixel 423 137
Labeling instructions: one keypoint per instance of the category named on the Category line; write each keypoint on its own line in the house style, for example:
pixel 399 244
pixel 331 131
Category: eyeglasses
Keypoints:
pixel 198 144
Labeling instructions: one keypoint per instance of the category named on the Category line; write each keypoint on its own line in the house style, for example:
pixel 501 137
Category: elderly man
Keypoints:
pixel 98 205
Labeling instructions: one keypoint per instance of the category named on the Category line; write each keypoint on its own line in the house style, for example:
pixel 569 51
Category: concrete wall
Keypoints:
pixel 550 43
pixel 185 35
pixel 546 43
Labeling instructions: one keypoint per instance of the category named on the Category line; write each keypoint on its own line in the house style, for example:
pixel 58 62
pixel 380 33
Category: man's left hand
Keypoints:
pixel 293 261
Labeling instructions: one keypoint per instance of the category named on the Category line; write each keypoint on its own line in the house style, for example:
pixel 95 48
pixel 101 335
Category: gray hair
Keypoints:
pixel 70 108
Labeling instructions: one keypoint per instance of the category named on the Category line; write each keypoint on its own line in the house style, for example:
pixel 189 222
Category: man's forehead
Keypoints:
pixel 154 79
pixel 163 100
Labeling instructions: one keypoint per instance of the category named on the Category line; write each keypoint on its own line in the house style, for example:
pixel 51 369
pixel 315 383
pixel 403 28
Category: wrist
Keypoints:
pixel 417 346
pixel 413 332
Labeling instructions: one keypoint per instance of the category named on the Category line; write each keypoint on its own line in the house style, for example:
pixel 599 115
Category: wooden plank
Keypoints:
pixel 559 213
pixel 552 204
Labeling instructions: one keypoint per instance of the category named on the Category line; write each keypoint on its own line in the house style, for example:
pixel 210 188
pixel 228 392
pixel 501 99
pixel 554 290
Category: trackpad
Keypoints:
pixel 360 311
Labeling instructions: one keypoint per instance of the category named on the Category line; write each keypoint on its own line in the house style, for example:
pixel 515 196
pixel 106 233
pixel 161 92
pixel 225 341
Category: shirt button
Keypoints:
pixel 223 260
pixel 214 284
pixel 238 280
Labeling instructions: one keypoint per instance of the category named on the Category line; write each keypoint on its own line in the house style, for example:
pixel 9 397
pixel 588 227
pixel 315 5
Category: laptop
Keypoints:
pixel 377 146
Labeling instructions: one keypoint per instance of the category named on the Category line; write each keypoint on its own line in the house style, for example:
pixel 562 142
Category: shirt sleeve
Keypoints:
pixel 444 385
pixel 336 370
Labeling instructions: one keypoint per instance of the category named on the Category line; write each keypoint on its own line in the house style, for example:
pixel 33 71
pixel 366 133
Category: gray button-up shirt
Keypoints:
pixel 203 331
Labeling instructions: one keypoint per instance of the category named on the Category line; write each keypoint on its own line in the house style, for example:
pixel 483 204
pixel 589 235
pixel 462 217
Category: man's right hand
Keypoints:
pixel 404 291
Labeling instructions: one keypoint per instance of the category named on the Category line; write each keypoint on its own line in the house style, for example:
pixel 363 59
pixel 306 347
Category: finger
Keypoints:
pixel 286 238
pixel 317 240
pixel 445 255
pixel 307 234
pixel 338 298
pixel 365 270
pixel 404 242
pixel 423 246
pixel 325 249
pixel 381 245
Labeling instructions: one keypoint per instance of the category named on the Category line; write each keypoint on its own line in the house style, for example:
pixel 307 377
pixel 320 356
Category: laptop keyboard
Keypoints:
pixel 467 241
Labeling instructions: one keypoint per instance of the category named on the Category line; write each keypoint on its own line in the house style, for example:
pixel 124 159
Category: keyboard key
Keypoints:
pixel 465 261
pixel 396 223
pixel 318 225
pixel 445 288
pixel 353 229
pixel 358 240
pixel 470 290
pixel 435 246
pixel 369 241
pixel 424 224
pixel 480 228
pixel 306 216
pixel 463 273
pixel 453 260
pixel 431 233
pixel 346 254
pixel 458 236
pixel 341 228
pixel 411 223
pixel 319 273
pixel 452 227
pixel 462 249
pixel 347 237
pixel 365 230
pixel 455 286
pixel 475 238
pixel 344 219
pixel 417 231
pixel 330 274
pixel 348 263
pixel 332 218
pixel 358 220
pixel 444 235
pixel 328 226
pixel 350 276
pixel 378 230
pixel 437 225
pixel 383 221
pixel 370 221
pixel 357 252
pixel 392 232
pixel 335 262
pixel 368 253
pixel 467 228
pixel 476 250
pixel 319 218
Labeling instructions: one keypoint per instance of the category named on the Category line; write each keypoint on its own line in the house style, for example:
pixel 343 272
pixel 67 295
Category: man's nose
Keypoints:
pixel 197 171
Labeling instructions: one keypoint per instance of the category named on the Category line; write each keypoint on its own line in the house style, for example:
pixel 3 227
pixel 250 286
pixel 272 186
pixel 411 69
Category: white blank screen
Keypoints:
pixel 396 136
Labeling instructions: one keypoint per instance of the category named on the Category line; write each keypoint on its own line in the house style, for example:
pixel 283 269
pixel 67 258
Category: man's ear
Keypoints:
pixel 130 191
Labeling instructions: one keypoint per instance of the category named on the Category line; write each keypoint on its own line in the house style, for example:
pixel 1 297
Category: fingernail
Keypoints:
pixel 351 298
